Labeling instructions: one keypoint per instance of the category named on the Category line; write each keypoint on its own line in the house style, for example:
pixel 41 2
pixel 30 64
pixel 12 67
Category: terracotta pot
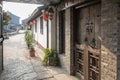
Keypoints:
pixel 32 53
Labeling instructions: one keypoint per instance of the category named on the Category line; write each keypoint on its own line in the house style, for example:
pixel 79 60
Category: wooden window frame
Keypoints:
pixel 36 27
pixel 41 24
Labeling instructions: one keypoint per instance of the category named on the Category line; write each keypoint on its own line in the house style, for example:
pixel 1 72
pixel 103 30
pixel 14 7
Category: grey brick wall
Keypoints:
pixel 118 50
pixel 109 40
pixel 65 58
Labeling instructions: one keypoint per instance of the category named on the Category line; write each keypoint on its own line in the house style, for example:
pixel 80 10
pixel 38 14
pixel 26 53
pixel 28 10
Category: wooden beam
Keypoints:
pixel 88 3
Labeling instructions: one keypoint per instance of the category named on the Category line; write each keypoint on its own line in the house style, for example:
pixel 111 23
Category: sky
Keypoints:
pixel 20 9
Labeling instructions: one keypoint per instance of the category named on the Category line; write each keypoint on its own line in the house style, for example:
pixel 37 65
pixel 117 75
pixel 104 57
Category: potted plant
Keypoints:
pixel 51 58
pixel 28 38
pixel 32 51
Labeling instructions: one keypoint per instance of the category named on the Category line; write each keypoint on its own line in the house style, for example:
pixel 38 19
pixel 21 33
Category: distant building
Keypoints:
pixel 24 23
pixel 14 19
pixel 39 26
pixel 14 23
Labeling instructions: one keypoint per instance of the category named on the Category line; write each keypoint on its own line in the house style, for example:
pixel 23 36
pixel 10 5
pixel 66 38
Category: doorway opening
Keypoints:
pixel 86 42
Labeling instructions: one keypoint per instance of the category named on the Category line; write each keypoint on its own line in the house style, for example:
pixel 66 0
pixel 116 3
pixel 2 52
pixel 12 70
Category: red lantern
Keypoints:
pixel 45 16
pixel 34 21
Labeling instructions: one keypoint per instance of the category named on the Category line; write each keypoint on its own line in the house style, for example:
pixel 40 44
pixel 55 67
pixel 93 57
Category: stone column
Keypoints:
pixel 67 40
pixel 52 31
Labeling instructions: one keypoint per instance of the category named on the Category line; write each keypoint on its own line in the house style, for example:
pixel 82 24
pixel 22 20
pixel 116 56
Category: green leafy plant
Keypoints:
pixel 45 60
pixel 6 18
pixel 51 58
pixel 28 38
pixel 31 48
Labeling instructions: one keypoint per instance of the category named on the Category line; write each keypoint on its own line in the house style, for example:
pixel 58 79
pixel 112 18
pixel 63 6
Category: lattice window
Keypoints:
pixel 41 25
pixel 79 61
pixel 94 66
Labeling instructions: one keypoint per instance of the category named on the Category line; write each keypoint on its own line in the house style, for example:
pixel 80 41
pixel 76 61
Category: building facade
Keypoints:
pixel 14 19
pixel 88 38
pixel 43 31
pixel 24 23
pixel 13 23
pixel 86 34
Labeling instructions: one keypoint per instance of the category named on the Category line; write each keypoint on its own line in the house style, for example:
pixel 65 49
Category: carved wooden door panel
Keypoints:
pixel 88 42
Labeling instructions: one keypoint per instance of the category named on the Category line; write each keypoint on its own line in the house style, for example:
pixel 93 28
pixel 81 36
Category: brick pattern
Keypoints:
pixel 109 40
pixel 118 50
pixel 65 58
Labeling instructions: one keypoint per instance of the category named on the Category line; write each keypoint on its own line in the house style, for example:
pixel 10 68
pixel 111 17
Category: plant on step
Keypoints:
pixel 56 60
pixel 51 58
pixel 47 53
pixel 28 38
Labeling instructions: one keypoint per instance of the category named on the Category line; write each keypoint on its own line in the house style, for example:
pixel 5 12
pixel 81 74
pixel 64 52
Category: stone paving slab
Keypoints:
pixel 45 75
pixel 57 72
pixel 61 77
pixel 30 76
pixel 40 69
pixel 18 65
pixel 50 79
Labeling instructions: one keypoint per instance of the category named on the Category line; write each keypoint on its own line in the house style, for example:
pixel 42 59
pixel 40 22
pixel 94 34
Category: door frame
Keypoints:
pixel 73 33
pixel 62 32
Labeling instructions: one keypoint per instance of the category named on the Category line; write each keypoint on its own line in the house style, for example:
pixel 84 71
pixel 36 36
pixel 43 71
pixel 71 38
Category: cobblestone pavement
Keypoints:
pixel 19 66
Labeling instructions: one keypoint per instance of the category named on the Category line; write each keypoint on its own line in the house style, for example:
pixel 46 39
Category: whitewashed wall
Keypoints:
pixel 41 38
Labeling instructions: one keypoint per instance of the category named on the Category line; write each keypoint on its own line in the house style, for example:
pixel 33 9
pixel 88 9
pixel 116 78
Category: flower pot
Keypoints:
pixel 32 53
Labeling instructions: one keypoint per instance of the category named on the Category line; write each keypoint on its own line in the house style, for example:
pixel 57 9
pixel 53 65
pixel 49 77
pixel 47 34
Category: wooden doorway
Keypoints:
pixel 86 41
pixel 62 32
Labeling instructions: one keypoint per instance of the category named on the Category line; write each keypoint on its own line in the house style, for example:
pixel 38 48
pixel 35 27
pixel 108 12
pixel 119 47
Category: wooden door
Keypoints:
pixel 62 32
pixel 87 42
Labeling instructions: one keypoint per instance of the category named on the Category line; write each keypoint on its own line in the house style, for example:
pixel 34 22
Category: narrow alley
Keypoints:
pixel 19 66
pixel 82 37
